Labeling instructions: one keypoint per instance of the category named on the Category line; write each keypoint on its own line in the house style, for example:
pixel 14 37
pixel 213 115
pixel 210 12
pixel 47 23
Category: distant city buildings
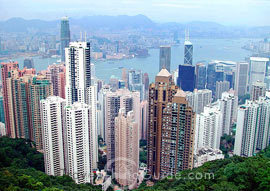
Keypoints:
pixel 258 89
pixel 198 99
pixel 64 37
pixel 28 63
pixel 186 77
pixel 200 76
pixel 221 86
pixel 165 58
pixel 241 78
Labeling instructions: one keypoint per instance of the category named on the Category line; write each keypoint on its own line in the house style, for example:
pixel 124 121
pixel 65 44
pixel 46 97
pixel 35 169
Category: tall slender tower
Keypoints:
pixel 52 120
pixel 64 36
pixel 188 50
pixel 160 94
pixel 165 58
pixel 78 71
pixel 241 78
pixel 126 149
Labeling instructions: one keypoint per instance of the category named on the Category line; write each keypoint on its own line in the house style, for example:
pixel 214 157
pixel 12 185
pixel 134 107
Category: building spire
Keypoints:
pixel 187 34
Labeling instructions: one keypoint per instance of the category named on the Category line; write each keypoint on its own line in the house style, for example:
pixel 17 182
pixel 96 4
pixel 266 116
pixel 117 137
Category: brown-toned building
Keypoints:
pixel 171 125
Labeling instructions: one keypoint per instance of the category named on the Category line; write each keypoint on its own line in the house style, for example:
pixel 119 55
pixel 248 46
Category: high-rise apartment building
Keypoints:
pixel 258 89
pixel 208 128
pixel 165 58
pixel 57 73
pixel 177 137
pixel 252 130
pixel 144 119
pixel 221 86
pixel 80 162
pixel 64 36
pixel 2 114
pixel 114 101
pixel 198 99
pixel 186 77
pixel 9 122
pixel 53 128
pixel 40 88
pixel 241 78
pixel 126 149
pixel 78 71
pixel 135 82
pixel 257 70
pixel 228 106
pixel 200 76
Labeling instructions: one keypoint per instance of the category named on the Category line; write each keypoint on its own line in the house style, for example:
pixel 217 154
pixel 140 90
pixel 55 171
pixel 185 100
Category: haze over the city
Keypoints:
pixel 227 12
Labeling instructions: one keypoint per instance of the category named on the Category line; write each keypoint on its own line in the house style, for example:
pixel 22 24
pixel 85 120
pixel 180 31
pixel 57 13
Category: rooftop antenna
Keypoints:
pixel 85 36
pixel 187 35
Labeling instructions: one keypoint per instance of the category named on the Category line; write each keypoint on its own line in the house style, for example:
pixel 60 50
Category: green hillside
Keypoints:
pixel 22 168
pixel 235 173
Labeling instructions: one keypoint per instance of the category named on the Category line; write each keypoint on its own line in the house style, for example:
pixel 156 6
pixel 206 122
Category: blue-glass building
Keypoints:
pixel 186 77
pixel 200 76
pixel 2 115
pixel 65 36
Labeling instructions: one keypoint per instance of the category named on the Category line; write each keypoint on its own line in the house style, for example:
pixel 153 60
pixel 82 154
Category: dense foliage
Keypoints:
pixel 22 168
pixel 235 173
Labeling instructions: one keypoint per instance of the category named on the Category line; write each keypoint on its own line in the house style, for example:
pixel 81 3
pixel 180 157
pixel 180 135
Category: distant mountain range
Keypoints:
pixel 124 22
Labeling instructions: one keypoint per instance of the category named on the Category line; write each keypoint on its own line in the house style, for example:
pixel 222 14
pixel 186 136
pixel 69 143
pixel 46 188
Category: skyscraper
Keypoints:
pixel 135 82
pixel 252 130
pixel 58 79
pixel 144 119
pixel 258 89
pixel 5 69
pixel 228 106
pixel 241 78
pixel 64 36
pixel 177 137
pixel 208 128
pixel 211 77
pixel 53 128
pixel 188 50
pixel 126 149
pixel 122 98
pixel 186 77
pixel 165 58
pixel 80 162
pixel 200 76
pixel 198 99
pixel 221 86
pixel 39 89
pixel 78 71
pixel 28 63
pixel 257 70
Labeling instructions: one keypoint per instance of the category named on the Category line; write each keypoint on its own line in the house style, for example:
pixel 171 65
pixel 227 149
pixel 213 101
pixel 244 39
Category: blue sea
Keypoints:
pixel 203 50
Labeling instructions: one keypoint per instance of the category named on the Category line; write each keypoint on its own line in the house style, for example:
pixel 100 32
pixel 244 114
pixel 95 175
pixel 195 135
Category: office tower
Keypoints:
pixel 64 36
pixel 188 51
pixel 125 77
pixel 204 155
pixel 114 83
pixel 198 99
pixel 186 77
pixel 165 58
pixel 146 85
pixel 122 98
pixel 57 73
pixel 241 78
pixel 229 77
pixel 135 82
pixel 78 71
pixel 208 128
pixel 160 93
pixel 177 137
pixel 126 149
pixel 258 89
pixel 228 106
pixel 2 114
pixel 5 69
pixel 211 77
pixel 40 88
pixel 78 141
pixel 200 76
pixel 221 86
pixel 257 70
pixel 52 122
pixel 144 119
pixel 93 73
pixel 28 63
pixel 252 130
pixel 219 75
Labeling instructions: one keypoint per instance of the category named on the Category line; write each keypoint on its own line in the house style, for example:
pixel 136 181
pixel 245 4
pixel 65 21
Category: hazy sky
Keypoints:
pixel 228 12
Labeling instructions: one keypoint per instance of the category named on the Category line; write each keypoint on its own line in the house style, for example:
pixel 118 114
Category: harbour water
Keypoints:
pixel 203 50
